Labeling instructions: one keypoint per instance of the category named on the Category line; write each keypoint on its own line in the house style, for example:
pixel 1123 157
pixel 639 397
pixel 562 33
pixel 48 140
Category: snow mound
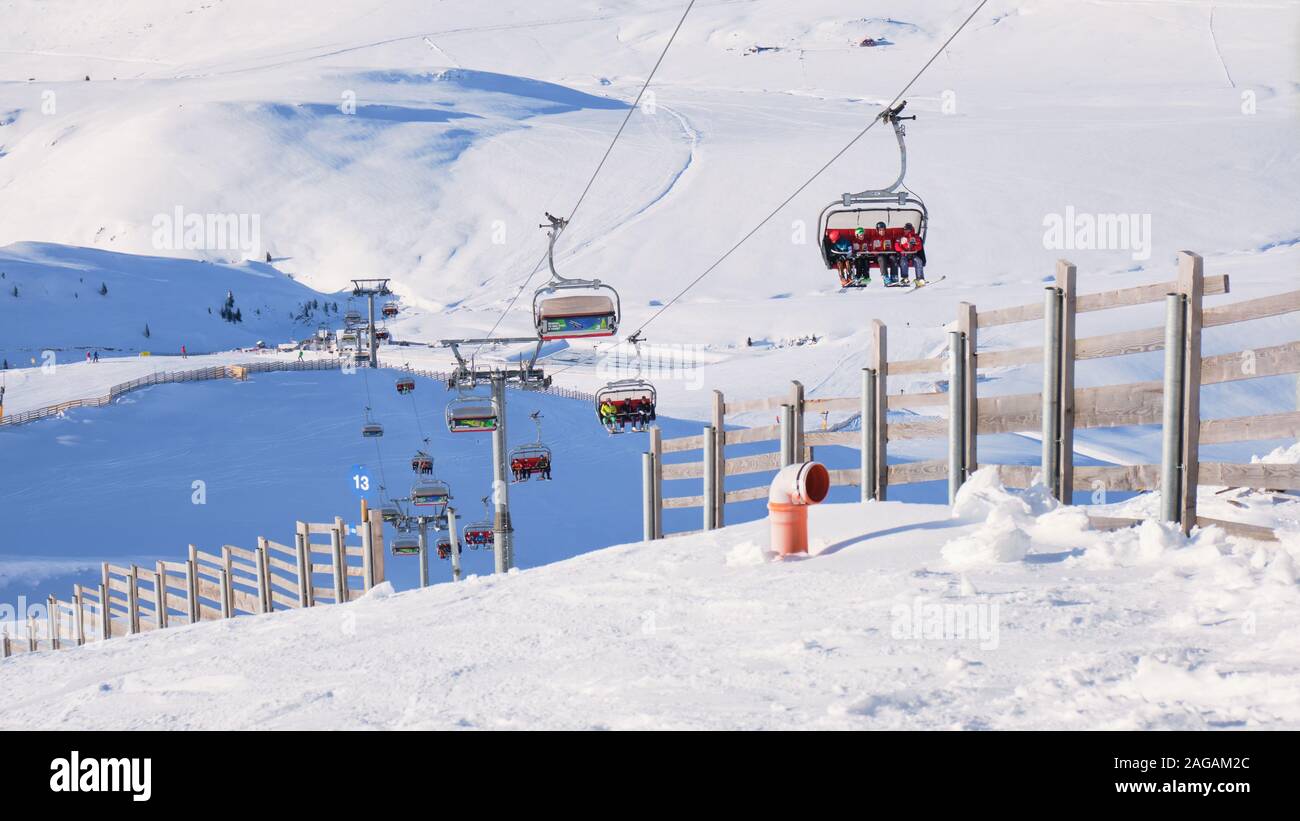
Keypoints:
pixel 1000 539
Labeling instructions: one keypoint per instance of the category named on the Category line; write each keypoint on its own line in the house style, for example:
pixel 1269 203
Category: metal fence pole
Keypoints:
pixel 867 441
pixel 454 537
pixel 648 496
pixel 501 526
pixel 787 435
pixel 1051 454
pixel 956 414
pixel 1172 432
pixel 424 551
pixel 710 478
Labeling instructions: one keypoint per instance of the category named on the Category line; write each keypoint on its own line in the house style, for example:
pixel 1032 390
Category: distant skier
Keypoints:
pixel 300 355
pixel 95 357
pixel 87 356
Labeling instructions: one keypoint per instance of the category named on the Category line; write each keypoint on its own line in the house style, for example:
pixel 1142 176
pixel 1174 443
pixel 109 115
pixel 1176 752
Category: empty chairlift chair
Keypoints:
pixel 430 497
pixel 371 429
pixel 471 414
pixel 406 544
pixel 627 403
pixel 572 308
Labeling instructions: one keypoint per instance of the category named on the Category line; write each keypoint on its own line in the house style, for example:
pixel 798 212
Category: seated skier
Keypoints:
pixel 841 255
pixel 911 254
pixel 861 255
pixel 882 252
pixel 608 414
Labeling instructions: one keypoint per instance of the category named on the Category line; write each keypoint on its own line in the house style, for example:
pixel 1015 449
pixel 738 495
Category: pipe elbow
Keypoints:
pixel 806 483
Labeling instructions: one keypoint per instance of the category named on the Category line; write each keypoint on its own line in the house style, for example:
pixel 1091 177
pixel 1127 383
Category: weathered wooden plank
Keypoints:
pixel 353 570
pixel 208 590
pixel 747 494
pixel 280 564
pixel 1110 406
pixel 1017 475
pixel 833 403
pixel 903 367
pixel 927 471
pixel 1250 428
pixel 1246 310
pixel 684 470
pixel 899 401
pixel 210 558
pixel 355 551
pixel 249 603
pixel 1258 532
pixel 1251 364
pixel 286 601
pixel 768 403
pixel 683 501
pixel 739 465
pixel 1101 301
pixel 241 552
pixel 766 433
pixel 931 428
pixel 315 529
pixel 1010 357
pixel 850 438
pixel 846 477
pixel 1258 475
pixel 1120 343
pixel 280 548
pixel 1009 412
pixel 682 443
pixel 1111 522
pixel 1118 477
pixel 1191 283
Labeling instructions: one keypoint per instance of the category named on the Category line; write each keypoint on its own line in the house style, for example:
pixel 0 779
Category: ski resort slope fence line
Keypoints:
pixel 239 371
pixel 205 586
pixel 1055 412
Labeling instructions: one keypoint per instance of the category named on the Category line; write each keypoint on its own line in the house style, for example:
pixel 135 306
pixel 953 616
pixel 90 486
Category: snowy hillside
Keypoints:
pixel 902 618
pixel 157 156
pixel 71 300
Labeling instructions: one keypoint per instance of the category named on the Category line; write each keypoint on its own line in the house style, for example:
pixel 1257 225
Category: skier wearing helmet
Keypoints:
pixel 911 254
pixel 841 254
pixel 862 254
pixel 881 248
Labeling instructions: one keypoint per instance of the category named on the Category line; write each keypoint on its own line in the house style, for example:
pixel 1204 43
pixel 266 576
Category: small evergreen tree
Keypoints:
pixel 239 315
pixel 147 334
pixel 103 289
pixel 15 290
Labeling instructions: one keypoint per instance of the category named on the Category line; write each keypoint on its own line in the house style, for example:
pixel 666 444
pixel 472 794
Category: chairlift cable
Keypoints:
pixel 817 173
pixel 599 166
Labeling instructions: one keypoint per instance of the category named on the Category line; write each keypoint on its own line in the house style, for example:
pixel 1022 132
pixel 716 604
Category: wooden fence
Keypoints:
pixel 320 567
pixel 1055 412
pixel 169 377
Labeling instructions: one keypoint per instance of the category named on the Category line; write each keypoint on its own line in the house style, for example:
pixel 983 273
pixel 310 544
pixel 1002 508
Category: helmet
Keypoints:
pixel 835 236
pixel 860 231
pixel 880 225
pixel 908 227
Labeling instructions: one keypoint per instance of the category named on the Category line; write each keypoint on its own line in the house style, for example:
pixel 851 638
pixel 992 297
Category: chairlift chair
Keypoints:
pixel 479 534
pixel 572 308
pixel 405 385
pixel 895 205
pixel 389 309
pixel 433 494
pixel 371 429
pixel 533 458
pixel 634 401
pixel 471 414
pixel 422 463
pixel 444 547
pixel 406 544
pixel 391 514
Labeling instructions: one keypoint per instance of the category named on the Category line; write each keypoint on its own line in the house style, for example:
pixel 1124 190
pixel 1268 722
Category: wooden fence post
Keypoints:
pixel 720 459
pixel 956 414
pixel 1191 283
pixel 867 437
pixel 5 650
pixel 880 364
pixel 33 643
pixel 377 539
pixel 968 324
pixel 1067 281
pixel 223 582
pixel 304 568
pixel 133 600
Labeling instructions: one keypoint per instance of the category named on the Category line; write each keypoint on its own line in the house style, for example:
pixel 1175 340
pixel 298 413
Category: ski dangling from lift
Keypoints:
pixel 925 283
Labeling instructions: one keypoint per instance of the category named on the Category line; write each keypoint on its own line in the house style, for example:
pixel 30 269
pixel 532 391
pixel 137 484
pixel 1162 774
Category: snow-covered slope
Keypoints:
pixel 900 619
pixel 70 300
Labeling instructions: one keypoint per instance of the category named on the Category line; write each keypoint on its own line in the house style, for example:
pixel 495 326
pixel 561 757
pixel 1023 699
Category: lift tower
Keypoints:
pixel 527 376
pixel 371 288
